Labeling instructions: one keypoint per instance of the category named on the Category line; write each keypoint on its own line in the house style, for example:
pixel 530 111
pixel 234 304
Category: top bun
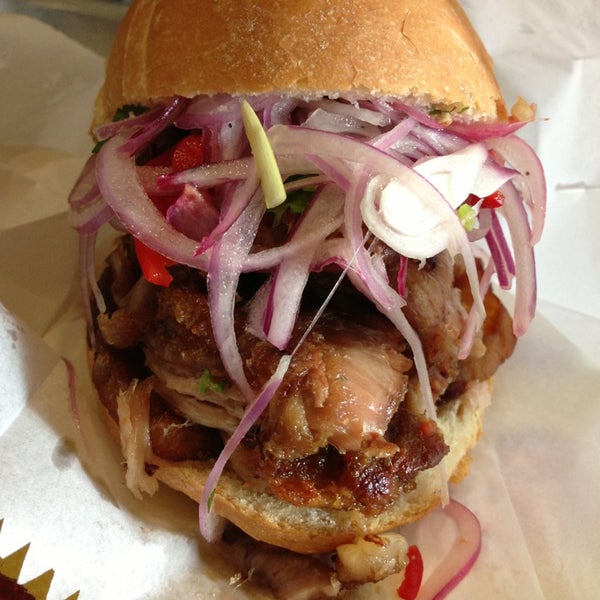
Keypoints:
pixel 424 52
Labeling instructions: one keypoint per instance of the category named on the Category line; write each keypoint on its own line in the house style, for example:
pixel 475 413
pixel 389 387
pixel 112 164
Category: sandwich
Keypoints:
pixel 313 203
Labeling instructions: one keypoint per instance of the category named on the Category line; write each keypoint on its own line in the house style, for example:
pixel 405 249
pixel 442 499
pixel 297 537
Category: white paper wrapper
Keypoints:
pixel 535 475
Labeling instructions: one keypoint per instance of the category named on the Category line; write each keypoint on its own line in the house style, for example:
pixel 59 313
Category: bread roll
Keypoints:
pixel 422 51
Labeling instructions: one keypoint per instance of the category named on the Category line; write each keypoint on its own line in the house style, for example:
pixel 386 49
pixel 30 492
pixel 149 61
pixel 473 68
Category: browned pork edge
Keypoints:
pixel 306 528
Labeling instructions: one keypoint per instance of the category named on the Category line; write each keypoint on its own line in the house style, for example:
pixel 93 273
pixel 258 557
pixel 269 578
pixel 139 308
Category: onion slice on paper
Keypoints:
pixel 461 557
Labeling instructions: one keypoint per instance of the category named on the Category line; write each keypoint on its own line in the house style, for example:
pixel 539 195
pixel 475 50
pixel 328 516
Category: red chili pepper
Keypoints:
pixel 495 200
pixel 428 427
pixel 154 265
pixel 413 574
pixel 190 152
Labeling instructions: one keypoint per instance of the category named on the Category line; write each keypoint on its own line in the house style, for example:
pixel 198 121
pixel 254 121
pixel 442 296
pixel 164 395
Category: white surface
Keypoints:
pixel 535 476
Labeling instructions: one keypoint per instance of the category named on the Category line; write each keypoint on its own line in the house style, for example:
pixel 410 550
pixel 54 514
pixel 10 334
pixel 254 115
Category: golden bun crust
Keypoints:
pixel 424 52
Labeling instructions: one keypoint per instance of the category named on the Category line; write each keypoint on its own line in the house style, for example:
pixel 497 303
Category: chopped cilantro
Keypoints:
pixel 127 111
pixel 467 215
pixel 296 202
pixel 432 112
pixel 208 384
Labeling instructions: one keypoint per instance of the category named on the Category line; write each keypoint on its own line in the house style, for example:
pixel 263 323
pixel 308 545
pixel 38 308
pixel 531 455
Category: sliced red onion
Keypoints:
pixel 520 232
pixel 228 142
pixel 87 269
pixel 85 188
pixel 401 277
pixel 90 218
pixel 471 324
pixel 294 140
pixel 224 268
pixel 230 171
pixel 484 222
pixel 411 216
pixel 377 283
pixel 500 252
pixel 390 138
pixel 456 175
pixel 236 200
pixel 356 166
pixel 531 183
pixel 418 114
pixel 306 182
pixel 108 130
pixel 279 112
pixel 88 211
pixel 352 110
pixel 339 123
pixel 143 136
pixel 439 142
pixel 396 315
pixel 218 110
pixel 208 175
pixel 319 220
pixel 461 557
pixel 478 132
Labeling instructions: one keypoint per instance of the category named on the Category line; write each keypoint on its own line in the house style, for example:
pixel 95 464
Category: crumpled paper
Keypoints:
pixel 535 475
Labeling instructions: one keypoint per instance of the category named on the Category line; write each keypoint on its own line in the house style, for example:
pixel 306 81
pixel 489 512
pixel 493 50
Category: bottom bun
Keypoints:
pixel 310 530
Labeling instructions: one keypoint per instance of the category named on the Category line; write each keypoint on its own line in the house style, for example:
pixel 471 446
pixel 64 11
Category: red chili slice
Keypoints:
pixel 154 265
pixel 428 427
pixel 494 200
pixel 413 575
pixel 190 152
pixel 187 153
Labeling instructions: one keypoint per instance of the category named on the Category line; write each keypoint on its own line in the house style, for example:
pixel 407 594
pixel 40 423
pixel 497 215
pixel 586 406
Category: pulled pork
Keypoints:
pixel 341 431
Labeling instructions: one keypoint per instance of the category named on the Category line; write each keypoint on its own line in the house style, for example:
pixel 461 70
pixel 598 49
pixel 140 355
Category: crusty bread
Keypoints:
pixel 315 530
pixel 422 51
pixel 312 530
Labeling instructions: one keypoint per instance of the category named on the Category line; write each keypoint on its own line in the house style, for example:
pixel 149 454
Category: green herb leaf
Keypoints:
pixel 127 111
pixel 467 215
pixel 296 202
pixel 208 384
pixel 432 112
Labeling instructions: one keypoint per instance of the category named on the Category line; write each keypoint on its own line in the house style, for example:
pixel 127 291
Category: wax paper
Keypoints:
pixel 535 477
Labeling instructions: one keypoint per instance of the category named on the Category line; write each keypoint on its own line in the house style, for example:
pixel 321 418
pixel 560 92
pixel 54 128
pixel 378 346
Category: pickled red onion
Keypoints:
pixel 461 557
